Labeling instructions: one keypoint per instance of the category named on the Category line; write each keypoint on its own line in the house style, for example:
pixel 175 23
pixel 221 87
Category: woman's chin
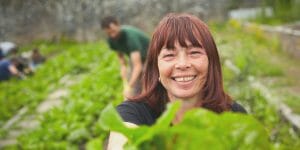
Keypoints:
pixel 183 95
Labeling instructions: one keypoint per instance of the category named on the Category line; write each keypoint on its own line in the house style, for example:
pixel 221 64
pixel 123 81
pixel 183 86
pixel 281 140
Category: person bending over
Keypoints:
pixel 130 42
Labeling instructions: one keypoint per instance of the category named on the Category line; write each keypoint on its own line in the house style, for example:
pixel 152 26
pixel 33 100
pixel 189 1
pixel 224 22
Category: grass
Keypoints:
pixel 293 102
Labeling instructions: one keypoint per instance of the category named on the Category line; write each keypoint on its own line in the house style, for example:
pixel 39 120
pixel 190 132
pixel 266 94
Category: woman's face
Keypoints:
pixel 183 70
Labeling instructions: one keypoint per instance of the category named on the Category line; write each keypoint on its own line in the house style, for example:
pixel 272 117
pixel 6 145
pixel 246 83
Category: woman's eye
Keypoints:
pixel 195 52
pixel 168 55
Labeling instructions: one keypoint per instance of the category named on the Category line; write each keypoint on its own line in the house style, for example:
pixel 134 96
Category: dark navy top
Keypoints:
pixel 4 69
pixel 140 113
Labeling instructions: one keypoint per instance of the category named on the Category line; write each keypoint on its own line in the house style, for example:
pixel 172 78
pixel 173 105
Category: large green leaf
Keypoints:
pixel 199 129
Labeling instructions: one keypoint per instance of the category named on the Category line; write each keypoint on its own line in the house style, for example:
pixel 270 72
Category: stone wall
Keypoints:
pixel 25 20
pixel 288 35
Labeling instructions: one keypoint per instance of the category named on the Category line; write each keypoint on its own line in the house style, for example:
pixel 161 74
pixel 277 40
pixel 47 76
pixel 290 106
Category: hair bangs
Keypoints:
pixel 180 30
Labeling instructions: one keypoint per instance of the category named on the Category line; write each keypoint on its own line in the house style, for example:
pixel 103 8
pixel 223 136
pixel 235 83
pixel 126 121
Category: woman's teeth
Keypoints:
pixel 184 79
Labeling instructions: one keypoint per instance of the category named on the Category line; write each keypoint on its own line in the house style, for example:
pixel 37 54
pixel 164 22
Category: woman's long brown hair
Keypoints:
pixel 183 27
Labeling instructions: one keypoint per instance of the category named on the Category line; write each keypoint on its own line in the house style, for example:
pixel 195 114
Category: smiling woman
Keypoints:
pixel 183 71
pixel 182 65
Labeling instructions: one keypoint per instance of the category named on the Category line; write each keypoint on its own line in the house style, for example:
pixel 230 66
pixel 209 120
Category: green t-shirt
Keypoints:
pixel 130 39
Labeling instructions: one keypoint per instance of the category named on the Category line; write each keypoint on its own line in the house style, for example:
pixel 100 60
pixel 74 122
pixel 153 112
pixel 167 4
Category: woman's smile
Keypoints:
pixel 184 82
pixel 184 78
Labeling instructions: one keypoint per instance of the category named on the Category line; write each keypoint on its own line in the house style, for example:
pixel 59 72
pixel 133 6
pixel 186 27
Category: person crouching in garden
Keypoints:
pixel 9 68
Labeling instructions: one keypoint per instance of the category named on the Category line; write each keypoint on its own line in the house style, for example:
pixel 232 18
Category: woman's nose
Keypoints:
pixel 182 62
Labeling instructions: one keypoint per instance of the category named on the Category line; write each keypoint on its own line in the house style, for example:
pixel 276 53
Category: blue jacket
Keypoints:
pixel 4 69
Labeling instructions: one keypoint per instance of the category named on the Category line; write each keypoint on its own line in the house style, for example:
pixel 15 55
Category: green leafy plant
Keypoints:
pixel 200 129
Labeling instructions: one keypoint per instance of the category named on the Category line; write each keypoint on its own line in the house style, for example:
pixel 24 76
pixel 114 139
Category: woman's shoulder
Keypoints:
pixel 138 113
pixel 236 107
pixel 134 104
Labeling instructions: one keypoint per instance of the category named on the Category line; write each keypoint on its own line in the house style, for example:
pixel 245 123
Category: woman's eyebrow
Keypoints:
pixel 168 49
pixel 198 45
pixel 189 46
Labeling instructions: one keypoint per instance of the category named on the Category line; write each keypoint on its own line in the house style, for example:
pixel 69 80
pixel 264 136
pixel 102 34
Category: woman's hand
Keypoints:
pixel 117 140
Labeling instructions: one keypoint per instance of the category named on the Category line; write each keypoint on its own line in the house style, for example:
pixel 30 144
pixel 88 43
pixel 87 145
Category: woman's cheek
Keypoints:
pixel 166 69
